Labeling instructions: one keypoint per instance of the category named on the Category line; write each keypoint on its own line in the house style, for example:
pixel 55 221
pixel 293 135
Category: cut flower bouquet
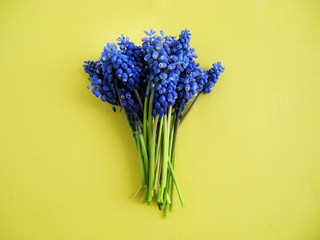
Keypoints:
pixel 155 84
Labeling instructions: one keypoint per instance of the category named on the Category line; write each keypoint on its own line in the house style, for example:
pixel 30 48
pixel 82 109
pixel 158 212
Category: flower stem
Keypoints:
pixel 169 121
pixel 164 160
pixel 145 155
pixel 175 183
pixel 152 157
pixel 143 167
pixel 144 200
pixel 192 104
pixel 137 145
pixel 150 117
pixel 138 97
pixel 170 182
pixel 171 137
pixel 166 131
pixel 145 114
pixel 158 143
pixel 151 145
pixel 142 170
pixel 166 209
pixel 157 155
pixel 173 153
pixel 138 191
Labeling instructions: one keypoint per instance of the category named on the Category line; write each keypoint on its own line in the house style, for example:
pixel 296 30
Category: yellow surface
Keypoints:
pixel 248 154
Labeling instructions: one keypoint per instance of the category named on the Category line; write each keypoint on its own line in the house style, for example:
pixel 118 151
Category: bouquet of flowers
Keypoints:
pixel 155 85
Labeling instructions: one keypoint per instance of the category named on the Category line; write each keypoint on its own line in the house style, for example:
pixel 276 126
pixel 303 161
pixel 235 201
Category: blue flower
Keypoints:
pixel 213 76
pixel 167 63
pixel 92 67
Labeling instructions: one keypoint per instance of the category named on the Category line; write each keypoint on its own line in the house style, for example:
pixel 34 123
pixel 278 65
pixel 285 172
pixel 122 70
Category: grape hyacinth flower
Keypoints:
pixel 153 85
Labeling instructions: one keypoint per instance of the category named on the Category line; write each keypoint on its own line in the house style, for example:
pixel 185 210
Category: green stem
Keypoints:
pixel 157 155
pixel 164 159
pixel 175 183
pixel 157 175
pixel 164 179
pixel 169 203
pixel 151 146
pixel 171 137
pixel 136 142
pixel 138 191
pixel 169 121
pixel 142 170
pixel 168 199
pixel 168 188
pixel 170 182
pixel 145 115
pixel 137 145
pixel 159 140
pixel 152 157
pixel 150 117
pixel 144 200
pixel 192 104
pixel 166 210
pixel 173 155
pixel 145 155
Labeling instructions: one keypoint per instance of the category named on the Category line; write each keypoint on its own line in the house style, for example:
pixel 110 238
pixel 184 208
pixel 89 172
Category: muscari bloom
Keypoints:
pixel 165 63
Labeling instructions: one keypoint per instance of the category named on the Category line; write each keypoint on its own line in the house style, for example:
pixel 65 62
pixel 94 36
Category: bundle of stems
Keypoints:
pixel 156 146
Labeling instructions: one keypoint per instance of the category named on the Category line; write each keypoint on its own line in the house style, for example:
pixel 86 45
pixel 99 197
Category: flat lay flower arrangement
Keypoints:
pixel 155 85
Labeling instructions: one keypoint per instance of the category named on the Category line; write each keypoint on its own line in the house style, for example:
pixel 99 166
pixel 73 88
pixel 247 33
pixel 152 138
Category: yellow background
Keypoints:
pixel 248 154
